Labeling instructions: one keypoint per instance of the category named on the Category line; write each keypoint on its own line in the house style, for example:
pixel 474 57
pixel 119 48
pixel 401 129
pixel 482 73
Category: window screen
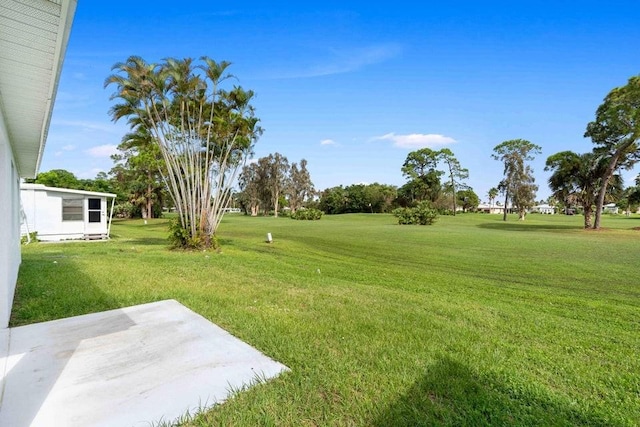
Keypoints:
pixel 94 216
pixel 94 204
pixel 94 209
pixel 72 209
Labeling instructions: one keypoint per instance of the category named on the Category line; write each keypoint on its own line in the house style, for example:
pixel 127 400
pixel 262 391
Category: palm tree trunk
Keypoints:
pixel 603 188
pixel 588 210
pixel 453 189
pixel 506 199
pixel 149 201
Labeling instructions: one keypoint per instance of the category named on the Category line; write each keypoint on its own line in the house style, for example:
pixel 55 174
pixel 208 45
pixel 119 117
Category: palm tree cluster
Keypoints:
pixel 204 132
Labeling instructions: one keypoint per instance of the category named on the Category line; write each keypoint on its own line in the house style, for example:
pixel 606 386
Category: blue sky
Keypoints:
pixel 353 87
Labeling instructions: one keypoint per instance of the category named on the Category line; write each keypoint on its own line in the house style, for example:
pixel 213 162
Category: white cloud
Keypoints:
pixel 328 142
pixel 416 140
pixel 69 147
pixel 340 61
pixel 347 61
pixel 105 150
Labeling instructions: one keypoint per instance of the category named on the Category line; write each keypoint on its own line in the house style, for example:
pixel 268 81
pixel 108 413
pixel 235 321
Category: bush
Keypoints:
pixel 123 210
pixel 33 236
pixel 404 215
pixel 422 214
pixel 307 214
pixel 180 238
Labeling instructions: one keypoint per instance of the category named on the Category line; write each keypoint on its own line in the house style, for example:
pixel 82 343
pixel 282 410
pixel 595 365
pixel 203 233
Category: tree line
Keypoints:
pixel 424 170
pixel 191 137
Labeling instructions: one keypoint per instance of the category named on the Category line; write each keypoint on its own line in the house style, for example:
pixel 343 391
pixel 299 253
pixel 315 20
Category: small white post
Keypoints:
pixel 269 238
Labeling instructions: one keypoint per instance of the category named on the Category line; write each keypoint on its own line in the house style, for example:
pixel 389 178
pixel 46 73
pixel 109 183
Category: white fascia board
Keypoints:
pixel 67 12
pixel 40 187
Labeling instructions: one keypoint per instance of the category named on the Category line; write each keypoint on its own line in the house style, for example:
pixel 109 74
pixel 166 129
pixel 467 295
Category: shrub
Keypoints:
pixel 307 214
pixel 33 236
pixel 404 215
pixel 422 214
pixel 123 210
pixel 180 238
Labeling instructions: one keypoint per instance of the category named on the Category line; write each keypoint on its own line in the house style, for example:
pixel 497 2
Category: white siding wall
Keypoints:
pixel 43 209
pixel 9 225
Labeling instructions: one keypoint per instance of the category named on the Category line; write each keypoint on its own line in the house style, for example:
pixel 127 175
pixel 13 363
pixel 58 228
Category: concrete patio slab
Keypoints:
pixel 128 367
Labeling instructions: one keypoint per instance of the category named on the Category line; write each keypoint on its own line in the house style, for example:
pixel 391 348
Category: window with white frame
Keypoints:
pixel 72 209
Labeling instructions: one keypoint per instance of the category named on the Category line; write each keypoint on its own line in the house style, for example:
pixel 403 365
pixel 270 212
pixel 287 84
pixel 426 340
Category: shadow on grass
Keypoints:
pixel 150 241
pixel 451 394
pixel 527 226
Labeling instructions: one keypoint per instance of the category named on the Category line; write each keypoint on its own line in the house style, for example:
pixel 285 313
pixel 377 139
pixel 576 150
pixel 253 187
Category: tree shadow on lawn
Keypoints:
pixel 524 226
pixel 449 393
pixel 162 241
pixel 148 241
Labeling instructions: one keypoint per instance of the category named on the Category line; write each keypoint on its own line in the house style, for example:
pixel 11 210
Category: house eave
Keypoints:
pixel 33 40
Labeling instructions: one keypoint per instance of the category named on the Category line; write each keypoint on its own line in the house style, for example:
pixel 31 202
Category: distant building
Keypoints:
pixel 492 209
pixel 610 208
pixel 544 209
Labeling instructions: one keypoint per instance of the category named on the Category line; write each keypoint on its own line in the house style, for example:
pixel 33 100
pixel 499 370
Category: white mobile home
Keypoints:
pixel 544 209
pixel 65 214
pixel 33 40
pixel 492 209
pixel 610 208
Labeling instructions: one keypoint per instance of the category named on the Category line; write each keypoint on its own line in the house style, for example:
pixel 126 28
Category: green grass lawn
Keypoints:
pixel 471 321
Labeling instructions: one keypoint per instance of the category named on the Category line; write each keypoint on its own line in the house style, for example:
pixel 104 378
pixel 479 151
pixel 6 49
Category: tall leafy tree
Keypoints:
pixel 455 172
pixel 518 182
pixel 616 133
pixel 270 180
pixel 420 167
pixel 300 186
pixel 204 132
pixel 277 178
pixel 252 183
pixel 138 171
